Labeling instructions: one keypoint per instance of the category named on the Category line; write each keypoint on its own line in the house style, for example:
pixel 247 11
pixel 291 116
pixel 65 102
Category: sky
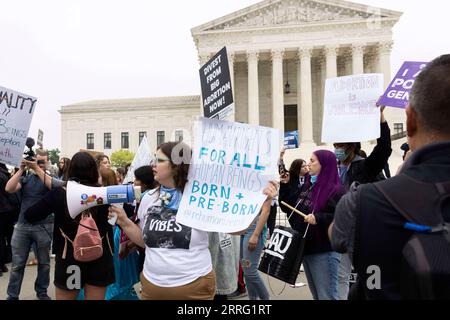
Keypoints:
pixel 64 52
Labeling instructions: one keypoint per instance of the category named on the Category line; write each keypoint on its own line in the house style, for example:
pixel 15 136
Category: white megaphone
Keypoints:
pixel 81 197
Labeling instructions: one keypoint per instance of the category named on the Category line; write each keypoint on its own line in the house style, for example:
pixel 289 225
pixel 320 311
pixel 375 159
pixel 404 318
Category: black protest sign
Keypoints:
pixel 216 86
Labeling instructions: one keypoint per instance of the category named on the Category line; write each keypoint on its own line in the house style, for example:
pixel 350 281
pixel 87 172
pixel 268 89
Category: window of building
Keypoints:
pixel 179 135
pixel 124 140
pixel 142 134
pixel 90 141
pixel 398 128
pixel 159 138
pixel 107 140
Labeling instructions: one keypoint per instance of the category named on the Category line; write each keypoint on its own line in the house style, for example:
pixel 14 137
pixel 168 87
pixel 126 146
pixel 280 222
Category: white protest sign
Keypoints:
pixel 142 158
pixel 40 139
pixel 350 113
pixel 16 112
pixel 231 165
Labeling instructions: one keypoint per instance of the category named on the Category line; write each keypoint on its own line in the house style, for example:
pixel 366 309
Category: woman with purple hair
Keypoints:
pixel 318 202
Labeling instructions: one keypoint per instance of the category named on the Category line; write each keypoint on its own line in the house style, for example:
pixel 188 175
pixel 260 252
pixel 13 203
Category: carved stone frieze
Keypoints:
pixel 285 13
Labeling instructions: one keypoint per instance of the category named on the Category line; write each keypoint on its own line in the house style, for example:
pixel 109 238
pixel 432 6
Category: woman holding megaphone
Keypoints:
pixel 177 259
pixel 72 274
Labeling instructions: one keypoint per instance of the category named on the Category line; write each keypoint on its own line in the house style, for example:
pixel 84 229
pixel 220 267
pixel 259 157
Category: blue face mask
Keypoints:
pixel 313 179
pixel 341 155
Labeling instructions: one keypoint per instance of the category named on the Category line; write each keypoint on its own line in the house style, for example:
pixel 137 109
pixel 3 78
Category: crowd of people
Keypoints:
pixel 355 217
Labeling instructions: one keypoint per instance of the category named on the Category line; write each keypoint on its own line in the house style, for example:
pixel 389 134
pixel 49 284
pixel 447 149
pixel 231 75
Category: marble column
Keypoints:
pixel 277 90
pixel 331 61
pixel 358 59
pixel 202 59
pixel 305 91
pixel 253 87
pixel 384 60
pixel 231 59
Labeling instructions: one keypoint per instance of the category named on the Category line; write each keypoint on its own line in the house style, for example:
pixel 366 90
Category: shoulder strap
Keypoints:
pixel 65 243
pixel 109 243
pixel 417 201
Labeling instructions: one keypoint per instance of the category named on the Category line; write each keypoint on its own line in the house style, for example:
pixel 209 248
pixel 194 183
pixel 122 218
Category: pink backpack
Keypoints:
pixel 87 245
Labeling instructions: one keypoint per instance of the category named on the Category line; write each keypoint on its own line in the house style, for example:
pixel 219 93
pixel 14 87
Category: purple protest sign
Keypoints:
pixel 397 94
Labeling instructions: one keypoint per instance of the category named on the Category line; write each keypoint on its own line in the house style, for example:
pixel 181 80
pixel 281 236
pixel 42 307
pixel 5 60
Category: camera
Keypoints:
pixel 30 155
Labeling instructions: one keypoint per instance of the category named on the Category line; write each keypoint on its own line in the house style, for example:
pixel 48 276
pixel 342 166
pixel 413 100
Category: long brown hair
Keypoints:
pixel 63 173
pixel 109 177
pixel 180 155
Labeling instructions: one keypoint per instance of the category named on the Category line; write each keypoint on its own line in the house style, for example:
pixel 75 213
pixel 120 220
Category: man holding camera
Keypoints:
pixel 33 184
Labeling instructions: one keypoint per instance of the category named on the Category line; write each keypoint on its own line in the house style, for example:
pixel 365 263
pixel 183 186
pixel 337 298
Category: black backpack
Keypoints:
pixel 425 270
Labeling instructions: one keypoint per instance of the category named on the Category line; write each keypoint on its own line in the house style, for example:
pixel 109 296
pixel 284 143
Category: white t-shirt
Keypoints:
pixel 175 255
pixel 147 200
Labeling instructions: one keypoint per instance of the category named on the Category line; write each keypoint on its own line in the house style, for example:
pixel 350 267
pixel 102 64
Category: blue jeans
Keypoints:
pixel 23 237
pixel 345 268
pixel 250 262
pixel 322 274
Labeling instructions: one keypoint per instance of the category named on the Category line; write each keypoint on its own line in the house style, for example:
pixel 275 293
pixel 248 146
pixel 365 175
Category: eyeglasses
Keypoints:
pixel 158 159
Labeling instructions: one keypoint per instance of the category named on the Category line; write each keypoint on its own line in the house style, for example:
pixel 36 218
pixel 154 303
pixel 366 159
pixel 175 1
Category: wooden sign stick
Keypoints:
pixel 293 209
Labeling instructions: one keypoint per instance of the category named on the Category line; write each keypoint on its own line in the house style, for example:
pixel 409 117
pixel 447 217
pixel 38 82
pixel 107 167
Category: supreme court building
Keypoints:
pixel 280 53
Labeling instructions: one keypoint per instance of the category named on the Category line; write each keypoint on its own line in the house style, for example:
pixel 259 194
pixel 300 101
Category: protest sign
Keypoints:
pixel 291 140
pixel 40 139
pixel 350 113
pixel 142 158
pixel 16 112
pixel 397 94
pixel 231 165
pixel 217 93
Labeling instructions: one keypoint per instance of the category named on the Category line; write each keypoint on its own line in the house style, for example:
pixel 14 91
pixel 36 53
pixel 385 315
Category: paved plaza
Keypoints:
pixel 27 293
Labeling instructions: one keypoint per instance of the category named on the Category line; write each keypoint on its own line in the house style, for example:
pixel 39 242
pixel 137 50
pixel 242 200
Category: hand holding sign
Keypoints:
pixel 232 164
pixel 271 190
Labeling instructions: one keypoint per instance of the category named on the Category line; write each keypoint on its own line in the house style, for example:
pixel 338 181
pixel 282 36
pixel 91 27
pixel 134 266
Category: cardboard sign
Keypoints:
pixel 142 158
pixel 40 139
pixel 291 140
pixel 231 165
pixel 16 112
pixel 217 93
pixel 397 94
pixel 350 113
